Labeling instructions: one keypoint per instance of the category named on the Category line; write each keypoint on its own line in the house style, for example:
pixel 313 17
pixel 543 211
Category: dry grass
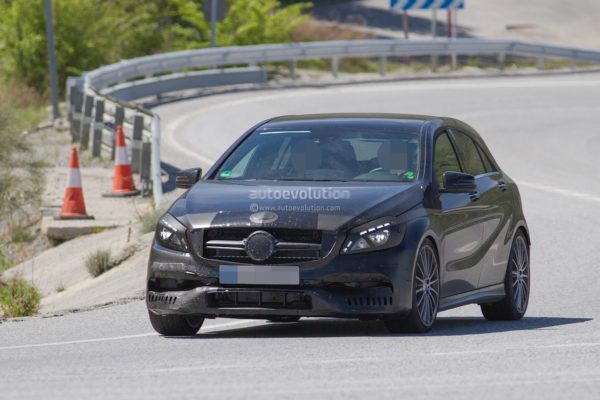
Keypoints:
pixel 315 30
pixel 19 298
pixel 99 262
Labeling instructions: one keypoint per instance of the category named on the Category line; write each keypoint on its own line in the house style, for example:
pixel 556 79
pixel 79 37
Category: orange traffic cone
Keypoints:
pixel 123 184
pixel 73 204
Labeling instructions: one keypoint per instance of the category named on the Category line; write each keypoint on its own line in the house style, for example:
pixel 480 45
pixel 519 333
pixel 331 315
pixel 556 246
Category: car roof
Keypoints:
pixel 404 119
pixel 408 121
pixel 366 116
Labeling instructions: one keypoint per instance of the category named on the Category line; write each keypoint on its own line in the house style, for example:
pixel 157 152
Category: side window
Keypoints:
pixel 469 154
pixel 489 167
pixel 445 158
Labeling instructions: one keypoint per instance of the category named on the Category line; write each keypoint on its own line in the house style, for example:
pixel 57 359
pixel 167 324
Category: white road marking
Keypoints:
pixel 124 337
pixel 107 339
pixel 169 135
pixel 564 192
pixel 361 360
pixel 283 93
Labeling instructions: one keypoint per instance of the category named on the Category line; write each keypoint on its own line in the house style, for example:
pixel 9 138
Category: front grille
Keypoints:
pixel 292 245
pixel 259 299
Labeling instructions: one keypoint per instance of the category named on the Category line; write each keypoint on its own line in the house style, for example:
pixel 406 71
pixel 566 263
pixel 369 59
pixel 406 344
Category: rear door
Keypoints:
pixel 493 209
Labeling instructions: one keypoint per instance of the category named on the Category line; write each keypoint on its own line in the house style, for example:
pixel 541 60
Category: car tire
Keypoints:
pixel 283 319
pixel 425 294
pixel 516 285
pixel 175 325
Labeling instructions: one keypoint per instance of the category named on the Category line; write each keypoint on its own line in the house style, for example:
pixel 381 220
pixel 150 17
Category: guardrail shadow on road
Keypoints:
pixel 452 326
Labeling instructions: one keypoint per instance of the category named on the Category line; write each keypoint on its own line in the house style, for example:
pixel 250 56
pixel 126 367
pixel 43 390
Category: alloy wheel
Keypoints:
pixel 519 267
pixel 427 285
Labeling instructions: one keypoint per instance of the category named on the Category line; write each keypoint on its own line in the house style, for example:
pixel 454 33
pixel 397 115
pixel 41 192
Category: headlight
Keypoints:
pixel 170 233
pixel 377 235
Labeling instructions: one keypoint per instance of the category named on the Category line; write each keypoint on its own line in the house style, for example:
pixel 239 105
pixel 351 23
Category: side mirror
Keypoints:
pixel 186 178
pixel 458 182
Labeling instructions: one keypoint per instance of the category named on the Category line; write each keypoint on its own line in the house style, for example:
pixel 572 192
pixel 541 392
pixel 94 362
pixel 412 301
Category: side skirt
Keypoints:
pixel 488 294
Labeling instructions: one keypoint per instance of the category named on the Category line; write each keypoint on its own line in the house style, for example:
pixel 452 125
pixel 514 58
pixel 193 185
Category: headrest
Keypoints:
pixel 305 155
pixel 392 155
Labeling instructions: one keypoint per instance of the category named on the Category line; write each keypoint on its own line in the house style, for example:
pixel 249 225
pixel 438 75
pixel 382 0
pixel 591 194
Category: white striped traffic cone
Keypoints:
pixel 73 203
pixel 123 184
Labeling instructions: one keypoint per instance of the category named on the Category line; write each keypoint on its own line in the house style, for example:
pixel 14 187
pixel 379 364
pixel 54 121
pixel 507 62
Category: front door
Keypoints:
pixel 459 219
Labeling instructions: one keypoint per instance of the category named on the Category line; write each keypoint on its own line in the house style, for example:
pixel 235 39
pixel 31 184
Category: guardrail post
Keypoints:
pixel 434 62
pixel 136 143
pixel 86 119
pixel 119 118
pixel 382 65
pixel 77 106
pixel 70 102
pixel 155 164
pixel 335 66
pixel 145 167
pixel 501 60
pixel 540 63
pixel 97 131
pixel 293 65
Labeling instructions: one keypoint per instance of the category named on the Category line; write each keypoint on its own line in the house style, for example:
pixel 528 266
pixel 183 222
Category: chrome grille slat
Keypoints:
pixel 230 243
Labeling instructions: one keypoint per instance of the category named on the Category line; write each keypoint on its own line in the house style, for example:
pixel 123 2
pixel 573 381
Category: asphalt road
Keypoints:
pixel 543 131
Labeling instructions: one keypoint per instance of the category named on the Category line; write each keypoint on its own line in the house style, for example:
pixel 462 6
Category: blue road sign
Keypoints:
pixel 426 4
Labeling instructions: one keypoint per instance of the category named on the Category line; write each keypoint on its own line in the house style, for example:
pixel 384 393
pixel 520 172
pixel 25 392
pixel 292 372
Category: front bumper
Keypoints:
pixel 369 285
pixel 253 302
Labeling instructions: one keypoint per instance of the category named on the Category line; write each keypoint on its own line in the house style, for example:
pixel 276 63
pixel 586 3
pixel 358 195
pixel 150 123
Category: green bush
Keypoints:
pixel 5 263
pixel 21 236
pixel 99 262
pixel 20 177
pixel 19 298
pixel 260 21
pixel 90 33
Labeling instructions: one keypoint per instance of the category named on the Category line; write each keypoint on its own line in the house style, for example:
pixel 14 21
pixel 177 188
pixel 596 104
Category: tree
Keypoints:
pixel 260 21
pixel 90 33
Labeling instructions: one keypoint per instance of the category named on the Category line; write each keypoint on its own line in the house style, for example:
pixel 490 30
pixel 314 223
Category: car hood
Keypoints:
pixel 297 205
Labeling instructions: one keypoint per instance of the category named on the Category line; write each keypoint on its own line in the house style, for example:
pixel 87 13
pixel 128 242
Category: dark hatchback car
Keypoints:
pixel 369 216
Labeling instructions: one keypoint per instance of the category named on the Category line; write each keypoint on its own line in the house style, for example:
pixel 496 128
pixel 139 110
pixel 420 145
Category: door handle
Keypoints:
pixel 474 196
pixel 502 185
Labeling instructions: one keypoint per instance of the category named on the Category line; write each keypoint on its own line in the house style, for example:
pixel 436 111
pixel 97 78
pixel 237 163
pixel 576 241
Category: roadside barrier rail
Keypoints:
pixel 100 99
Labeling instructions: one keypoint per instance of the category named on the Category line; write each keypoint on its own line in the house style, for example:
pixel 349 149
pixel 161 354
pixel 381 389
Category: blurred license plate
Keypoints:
pixel 259 275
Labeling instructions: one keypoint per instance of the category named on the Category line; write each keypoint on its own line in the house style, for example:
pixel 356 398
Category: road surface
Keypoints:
pixel 544 132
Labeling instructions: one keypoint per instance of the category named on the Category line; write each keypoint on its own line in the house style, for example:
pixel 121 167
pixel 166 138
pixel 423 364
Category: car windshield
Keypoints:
pixel 325 152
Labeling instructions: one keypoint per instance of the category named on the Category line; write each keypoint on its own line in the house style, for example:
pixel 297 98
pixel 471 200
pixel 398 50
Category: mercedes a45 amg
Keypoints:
pixel 374 216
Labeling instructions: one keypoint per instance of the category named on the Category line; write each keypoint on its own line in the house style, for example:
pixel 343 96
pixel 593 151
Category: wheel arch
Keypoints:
pixel 521 225
pixel 433 238
pixel 525 231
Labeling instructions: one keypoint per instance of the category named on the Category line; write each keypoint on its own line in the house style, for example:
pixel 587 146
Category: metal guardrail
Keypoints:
pixel 95 114
pixel 127 80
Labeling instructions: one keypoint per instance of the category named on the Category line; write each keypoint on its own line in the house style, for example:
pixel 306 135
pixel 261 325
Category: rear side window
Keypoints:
pixel 489 166
pixel 445 158
pixel 469 154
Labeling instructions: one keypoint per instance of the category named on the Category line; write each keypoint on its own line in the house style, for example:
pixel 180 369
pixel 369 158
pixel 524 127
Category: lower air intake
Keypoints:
pixel 161 298
pixel 368 301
